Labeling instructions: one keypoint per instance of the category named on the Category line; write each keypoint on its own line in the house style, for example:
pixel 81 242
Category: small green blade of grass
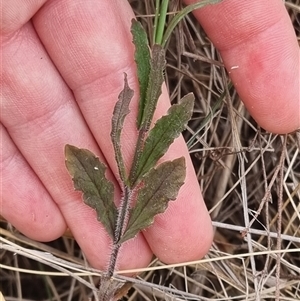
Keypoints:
pixel 178 17
pixel 160 20
pixel 156 17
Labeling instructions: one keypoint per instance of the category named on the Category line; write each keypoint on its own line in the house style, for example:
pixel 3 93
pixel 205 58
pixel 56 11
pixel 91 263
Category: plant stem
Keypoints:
pixel 161 22
pixel 122 214
pixel 157 7
pixel 120 228
pixel 113 260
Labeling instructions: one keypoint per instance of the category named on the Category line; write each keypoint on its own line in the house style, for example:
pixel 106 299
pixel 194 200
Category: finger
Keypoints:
pixel 15 13
pixel 25 202
pixel 92 62
pixel 41 116
pixel 258 45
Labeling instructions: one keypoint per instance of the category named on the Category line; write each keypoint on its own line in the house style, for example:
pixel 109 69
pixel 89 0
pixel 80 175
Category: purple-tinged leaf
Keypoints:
pixel 161 185
pixel 88 175
pixel 120 111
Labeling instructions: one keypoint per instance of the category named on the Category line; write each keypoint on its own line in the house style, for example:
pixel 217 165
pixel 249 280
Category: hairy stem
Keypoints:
pixel 113 260
pixel 120 228
pixel 122 214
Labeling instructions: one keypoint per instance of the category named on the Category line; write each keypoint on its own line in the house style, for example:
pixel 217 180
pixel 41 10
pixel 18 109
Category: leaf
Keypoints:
pixel 183 13
pixel 142 58
pixel 88 175
pixel 166 129
pixel 161 185
pixel 156 80
pixel 120 111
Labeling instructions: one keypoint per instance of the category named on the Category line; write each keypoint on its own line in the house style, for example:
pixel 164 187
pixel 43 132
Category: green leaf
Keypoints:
pixel 120 111
pixel 156 79
pixel 178 17
pixel 166 129
pixel 88 175
pixel 161 185
pixel 142 58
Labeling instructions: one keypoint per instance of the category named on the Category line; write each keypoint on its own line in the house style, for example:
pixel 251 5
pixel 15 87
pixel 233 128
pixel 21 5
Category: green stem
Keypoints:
pixel 159 30
pixel 157 8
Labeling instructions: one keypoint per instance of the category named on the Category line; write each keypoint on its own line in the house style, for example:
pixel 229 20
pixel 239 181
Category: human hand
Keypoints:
pixel 258 37
pixel 61 76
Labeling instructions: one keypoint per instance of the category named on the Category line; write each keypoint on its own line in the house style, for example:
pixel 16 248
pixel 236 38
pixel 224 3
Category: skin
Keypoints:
pixel 62 70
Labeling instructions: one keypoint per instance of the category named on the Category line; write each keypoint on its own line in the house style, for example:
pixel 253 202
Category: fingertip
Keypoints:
pixel 14 14
pixel 264 50
pixel 37 226
pixel 184 231
pixel 32 212
pixel 189 243
pixel 25 203
pixel 45 231
pixel 267 80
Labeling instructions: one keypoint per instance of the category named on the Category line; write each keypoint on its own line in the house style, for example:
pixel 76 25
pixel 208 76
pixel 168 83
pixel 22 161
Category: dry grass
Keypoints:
pixel 250 180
